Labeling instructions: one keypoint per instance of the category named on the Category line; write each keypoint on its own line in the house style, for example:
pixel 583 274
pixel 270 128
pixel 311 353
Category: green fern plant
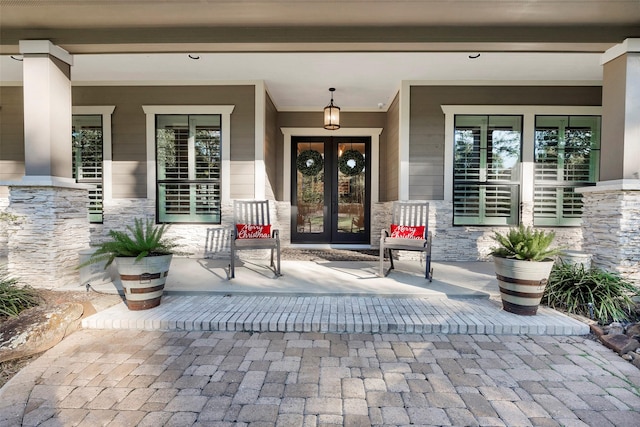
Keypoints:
pixel 525 243
pixel 142 239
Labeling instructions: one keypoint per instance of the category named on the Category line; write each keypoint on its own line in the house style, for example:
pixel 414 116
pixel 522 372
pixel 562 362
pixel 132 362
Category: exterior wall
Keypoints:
pixel 426 169
pixel 426 153
pixel 46 220
pixel 271 158
pixel 4 227
pixel 11 136
pixel 194 240
pixel 459 243
pixel 389 160
pixel 129 129
pixel 292 119
pixel 11 151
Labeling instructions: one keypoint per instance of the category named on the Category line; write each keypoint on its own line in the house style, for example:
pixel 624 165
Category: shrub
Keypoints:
pixel 15 298
pixel 572 288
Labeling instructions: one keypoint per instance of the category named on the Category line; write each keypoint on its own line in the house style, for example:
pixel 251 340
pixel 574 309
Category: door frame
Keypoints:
pixel 331 235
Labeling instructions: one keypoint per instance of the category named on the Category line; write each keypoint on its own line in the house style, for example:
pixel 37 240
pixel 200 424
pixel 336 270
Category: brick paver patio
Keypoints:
pixel 201 378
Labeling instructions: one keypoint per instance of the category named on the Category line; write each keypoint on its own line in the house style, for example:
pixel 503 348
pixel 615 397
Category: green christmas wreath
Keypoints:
pixel 351 163
pixel 310 162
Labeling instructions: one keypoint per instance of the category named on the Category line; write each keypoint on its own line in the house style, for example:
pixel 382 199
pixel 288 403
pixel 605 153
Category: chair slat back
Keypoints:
pixel 254 212
pixel 411 213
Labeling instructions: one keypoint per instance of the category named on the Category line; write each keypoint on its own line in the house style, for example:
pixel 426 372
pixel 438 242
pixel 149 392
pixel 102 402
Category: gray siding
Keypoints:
pixel 389 154
pixel 271 158
pixel 11 135
pixel 426 151
pixel 129 129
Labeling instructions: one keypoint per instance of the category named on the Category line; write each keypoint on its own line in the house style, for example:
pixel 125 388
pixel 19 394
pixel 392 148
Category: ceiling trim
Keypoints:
pixel 319 38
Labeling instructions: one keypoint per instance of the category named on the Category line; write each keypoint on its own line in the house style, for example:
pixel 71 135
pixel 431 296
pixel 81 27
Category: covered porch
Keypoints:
pixel 324 295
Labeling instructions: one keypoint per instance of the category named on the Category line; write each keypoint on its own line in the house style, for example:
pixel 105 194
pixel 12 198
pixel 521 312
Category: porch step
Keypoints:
pixel 338 314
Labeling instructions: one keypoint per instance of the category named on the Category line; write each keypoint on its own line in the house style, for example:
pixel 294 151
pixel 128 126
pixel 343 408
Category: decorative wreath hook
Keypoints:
pixel 310 162
pixel 351 163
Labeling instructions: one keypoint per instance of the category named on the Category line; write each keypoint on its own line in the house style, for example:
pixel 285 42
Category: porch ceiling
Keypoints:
pixel 302 47
pixel 186 13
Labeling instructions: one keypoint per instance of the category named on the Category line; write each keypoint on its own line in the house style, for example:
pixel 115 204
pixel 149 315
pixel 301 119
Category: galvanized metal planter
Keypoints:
pixel 143 281
pixel 522 283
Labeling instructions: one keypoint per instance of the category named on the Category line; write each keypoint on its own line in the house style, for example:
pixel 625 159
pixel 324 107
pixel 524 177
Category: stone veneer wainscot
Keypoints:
pixel 611 226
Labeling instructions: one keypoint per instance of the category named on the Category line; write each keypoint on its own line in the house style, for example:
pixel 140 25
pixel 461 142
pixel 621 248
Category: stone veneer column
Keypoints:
pixel 611 227
pixel 51 229
pixel 52 219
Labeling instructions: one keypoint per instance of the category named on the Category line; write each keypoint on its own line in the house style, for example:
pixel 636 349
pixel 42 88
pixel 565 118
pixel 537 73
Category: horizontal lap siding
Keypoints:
pixel 271 157
pixel 389 154
pixel 11 136
pixel 11 125
pixel 129 128
pixel 426 151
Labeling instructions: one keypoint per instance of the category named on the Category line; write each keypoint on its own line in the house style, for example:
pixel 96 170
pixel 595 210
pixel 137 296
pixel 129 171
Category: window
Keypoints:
pixel 567 155
pixel 486 155
pixel 189 166
pixel 87 139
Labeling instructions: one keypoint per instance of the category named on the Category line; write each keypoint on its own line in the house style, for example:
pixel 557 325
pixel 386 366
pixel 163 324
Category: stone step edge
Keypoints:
pixel 297 326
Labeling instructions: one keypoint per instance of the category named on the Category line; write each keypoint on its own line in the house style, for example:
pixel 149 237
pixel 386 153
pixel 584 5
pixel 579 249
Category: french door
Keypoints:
pixel 330 189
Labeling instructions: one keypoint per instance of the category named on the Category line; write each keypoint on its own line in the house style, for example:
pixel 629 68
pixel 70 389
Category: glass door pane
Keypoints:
pixel 351 188
pixel 310 187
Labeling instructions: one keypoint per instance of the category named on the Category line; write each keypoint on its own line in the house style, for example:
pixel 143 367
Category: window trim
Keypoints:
pixel 484 181
pixel 106 111
pixel 225 122
pixel 528 135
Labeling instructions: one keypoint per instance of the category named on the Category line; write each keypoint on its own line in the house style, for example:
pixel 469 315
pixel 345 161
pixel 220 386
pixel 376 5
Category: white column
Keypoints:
pixel 47 111
pixel 621 112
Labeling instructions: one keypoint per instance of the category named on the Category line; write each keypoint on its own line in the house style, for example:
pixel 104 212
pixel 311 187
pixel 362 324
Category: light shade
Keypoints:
pixel 331 114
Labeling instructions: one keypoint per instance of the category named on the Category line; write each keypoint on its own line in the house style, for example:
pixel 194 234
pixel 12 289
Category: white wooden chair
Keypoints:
pixel 409 231
pixel 252 230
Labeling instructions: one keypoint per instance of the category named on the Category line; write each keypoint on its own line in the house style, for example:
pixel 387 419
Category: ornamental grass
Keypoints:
pixel 15 298
pixel 595 293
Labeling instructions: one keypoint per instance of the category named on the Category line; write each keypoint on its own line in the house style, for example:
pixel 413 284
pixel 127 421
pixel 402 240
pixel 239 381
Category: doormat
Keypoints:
pixel 294 254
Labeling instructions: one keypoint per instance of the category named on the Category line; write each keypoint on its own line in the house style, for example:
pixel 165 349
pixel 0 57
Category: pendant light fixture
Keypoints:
pixel 331 114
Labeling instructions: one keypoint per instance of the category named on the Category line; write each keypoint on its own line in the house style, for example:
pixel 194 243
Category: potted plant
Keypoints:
pixel 142 256
pixel 523 261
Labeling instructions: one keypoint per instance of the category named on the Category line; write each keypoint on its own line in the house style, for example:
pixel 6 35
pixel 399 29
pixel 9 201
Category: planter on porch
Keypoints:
pixel 522 284
pixel 143 280
pixel 576 258
pixel 143 257
pixel 523 261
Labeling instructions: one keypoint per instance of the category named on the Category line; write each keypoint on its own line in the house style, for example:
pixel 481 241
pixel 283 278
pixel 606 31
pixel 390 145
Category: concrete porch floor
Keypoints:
pixel 331 296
